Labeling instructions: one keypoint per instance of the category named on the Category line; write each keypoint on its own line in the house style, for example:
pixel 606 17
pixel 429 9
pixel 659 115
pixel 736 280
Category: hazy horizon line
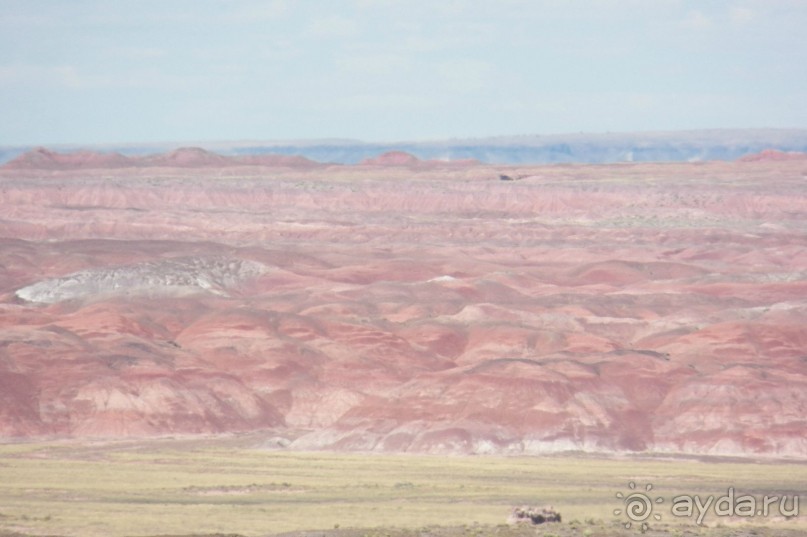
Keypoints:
pixel 238 142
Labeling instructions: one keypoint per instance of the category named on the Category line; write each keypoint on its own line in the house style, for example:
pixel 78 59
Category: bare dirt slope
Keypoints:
pixel 394 306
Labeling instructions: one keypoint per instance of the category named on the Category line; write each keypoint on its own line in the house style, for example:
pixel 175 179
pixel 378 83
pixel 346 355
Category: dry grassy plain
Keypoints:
pixel 232 486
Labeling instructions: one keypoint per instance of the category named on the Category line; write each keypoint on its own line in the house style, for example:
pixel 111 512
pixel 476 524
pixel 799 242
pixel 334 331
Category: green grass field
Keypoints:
pixel 186 487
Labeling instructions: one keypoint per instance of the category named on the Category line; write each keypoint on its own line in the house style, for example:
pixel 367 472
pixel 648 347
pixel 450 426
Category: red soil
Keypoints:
pixel 632 307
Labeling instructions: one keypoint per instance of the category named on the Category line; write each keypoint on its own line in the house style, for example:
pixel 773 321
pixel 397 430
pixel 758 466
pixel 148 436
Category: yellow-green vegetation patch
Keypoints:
pixel 218 486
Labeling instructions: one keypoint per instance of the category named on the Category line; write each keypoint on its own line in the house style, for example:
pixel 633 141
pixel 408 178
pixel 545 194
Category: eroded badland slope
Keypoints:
pixel 395 306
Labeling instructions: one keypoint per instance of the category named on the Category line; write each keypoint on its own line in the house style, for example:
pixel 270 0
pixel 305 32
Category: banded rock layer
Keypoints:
pixel 603 308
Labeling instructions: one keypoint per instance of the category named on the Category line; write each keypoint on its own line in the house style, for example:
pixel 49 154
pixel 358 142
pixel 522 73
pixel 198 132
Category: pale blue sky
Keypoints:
pixel 111 71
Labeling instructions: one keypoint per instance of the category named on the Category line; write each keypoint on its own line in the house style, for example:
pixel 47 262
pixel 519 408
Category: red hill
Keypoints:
pixel 194 157
pixel 44 159
pixel 402 158
pixel 773 155
pixel 184 157
pixel 393 158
